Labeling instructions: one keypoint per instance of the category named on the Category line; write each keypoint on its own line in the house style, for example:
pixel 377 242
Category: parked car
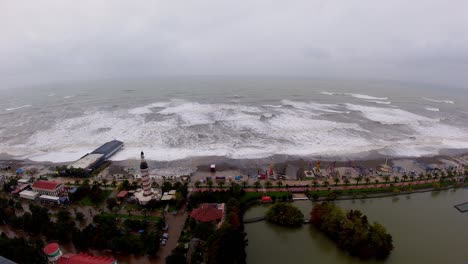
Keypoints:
pixel 163 242
pixel 165 227
pixel 165 236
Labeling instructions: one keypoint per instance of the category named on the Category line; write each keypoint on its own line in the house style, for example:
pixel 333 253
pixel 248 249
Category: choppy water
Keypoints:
pixel 245 118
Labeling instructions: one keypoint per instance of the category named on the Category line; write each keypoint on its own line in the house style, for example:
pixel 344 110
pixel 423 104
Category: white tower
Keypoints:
pixel 145 178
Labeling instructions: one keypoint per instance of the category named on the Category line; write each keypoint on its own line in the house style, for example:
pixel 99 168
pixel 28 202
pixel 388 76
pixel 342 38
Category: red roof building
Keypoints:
pixel 48 187
pixel 208 213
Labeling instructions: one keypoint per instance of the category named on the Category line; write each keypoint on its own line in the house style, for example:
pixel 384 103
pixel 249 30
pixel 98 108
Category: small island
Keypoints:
pixel 352 231
pixel 284 214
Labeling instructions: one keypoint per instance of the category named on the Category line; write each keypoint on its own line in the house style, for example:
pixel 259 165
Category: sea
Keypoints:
pixel 238 118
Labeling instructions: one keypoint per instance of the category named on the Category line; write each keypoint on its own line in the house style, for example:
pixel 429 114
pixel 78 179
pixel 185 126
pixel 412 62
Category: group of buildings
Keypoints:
pixel 49 192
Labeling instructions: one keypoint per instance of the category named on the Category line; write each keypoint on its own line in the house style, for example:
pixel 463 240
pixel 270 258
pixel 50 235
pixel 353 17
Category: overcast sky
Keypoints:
pixel 420 40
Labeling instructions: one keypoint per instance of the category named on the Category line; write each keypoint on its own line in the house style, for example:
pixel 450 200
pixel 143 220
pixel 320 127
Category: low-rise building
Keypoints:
pixel 29 195
pixel 48 188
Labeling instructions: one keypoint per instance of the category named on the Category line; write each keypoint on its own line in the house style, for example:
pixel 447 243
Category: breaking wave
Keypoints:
pixel 19 107
pixel 439 101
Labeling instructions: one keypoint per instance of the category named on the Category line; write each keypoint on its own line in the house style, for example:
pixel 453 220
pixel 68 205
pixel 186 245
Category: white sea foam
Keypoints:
pixel 389 116
pixel 380 102
pixel 68 96
pixel 147 108
pixel 50 95
pixel 179 129
pixel 434 109
pixel 19 107
pixel 359 96
pixel 439 101
pixel 330 108
pixel 366 97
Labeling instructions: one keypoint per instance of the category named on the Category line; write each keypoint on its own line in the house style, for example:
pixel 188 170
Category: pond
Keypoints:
pixel 426 228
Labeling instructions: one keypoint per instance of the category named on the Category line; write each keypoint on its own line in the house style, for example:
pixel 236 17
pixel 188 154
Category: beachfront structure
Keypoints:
pixel 109 148
pixel 29 195
pixel 55 256
pixel 88 162
pixel 209 213
pixel 96 158
pixel 48 188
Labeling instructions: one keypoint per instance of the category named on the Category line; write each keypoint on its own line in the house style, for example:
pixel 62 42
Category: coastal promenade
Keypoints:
pixel 303 188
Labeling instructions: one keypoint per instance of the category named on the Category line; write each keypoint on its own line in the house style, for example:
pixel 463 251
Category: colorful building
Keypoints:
pixel 48 188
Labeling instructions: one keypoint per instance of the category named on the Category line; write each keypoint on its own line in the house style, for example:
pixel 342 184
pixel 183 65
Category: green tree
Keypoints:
pixel 367 180
pixel 358 179
pixel 257 185
pixel 209 183
pixel 336 180
pixel 268 184
pixel 244 184
pixel 280 184
pixel 284 214
pixel 197 184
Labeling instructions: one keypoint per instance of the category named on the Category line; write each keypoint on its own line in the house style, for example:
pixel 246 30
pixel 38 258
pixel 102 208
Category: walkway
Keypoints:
pixel 330 187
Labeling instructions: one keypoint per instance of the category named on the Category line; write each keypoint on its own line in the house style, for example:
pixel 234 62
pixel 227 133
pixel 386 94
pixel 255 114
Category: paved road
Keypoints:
pixel 176 224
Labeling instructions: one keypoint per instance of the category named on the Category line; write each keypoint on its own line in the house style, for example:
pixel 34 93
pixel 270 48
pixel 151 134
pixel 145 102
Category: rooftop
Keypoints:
pixel 86 161
pixel 108 147
pixel 122 194
pixel 207 213
pixel 51 248
pixel 46 185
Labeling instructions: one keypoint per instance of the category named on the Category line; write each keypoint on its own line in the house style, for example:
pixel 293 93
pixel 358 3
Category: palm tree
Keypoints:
pixel 144 211
pixel 336 180
pixel 257 184
pixel 326 183
pixel 367 180
pixel 244 184
pixel 405 177
pixel 377 181
pixel 220 184
pixel 209 183
pixel 421 176
pixel 315 183
pixel 114 183
pixel 347 182
pixel 280 183
pixel 104 182
pixel 412 177
pixel 197 184
pixel 268 184
pixel 396 179
pixel 358 179
pixel 387 178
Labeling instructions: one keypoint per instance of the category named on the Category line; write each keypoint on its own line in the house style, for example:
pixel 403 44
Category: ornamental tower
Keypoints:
pixel 53 252
pixel 145 178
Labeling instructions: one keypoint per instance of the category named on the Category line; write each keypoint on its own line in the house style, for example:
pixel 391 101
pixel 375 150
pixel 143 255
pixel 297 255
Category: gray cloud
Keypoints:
pixel 46 41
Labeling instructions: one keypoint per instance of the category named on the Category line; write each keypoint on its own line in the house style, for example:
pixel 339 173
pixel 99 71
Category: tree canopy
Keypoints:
pixel 285 214
pixel 352 231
